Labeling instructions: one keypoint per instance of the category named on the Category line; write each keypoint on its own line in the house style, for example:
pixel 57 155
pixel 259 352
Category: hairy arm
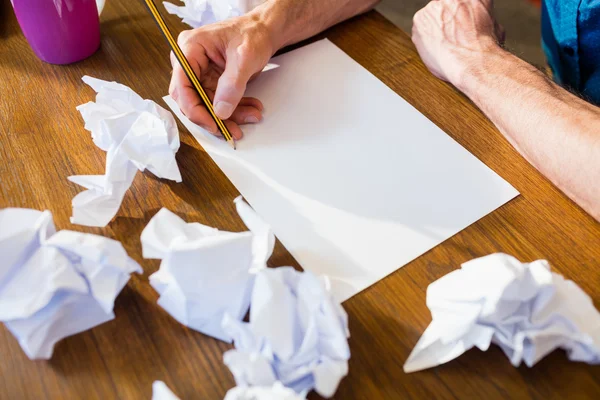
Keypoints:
pixel 291 21
pixel 554 130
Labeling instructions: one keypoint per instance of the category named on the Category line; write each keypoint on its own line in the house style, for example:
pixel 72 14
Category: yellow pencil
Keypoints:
pixel 189 71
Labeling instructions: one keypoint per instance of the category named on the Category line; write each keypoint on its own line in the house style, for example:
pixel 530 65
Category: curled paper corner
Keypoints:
pixel 56 284
pixel 160 391
pixel 270 66
pixel 137 134
pixel 524 308
pixel 206 273
pixel 275 392
pixel 297 334
pixel 197 13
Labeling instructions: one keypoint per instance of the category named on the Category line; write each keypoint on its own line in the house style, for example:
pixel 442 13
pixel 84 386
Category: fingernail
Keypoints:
pixel 251 120
pixel 223 109
pixel 210 129
pixel 175 94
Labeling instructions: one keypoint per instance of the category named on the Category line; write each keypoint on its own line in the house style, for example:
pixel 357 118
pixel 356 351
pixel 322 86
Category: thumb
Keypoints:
pixel 232 85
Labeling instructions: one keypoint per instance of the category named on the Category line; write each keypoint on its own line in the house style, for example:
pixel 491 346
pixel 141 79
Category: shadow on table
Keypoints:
pixel 201 179
pixel 119 349
pixel 374 363
pixel 492 370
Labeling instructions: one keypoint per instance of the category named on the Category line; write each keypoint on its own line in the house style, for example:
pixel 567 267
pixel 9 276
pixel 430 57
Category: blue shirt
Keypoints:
pixel 571 41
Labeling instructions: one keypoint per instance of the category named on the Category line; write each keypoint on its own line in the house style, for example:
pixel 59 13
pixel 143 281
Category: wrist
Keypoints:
pixel 271 16
pixel 291 21
pixel 473 65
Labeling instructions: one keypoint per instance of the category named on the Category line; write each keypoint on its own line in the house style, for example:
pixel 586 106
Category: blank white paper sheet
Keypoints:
pixel 354 181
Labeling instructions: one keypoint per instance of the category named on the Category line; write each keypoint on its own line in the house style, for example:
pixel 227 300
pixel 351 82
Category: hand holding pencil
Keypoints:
pixel 211 68
pixel 218 57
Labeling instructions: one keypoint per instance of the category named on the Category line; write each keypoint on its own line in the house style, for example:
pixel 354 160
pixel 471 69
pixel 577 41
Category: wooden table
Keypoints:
pixel 42 141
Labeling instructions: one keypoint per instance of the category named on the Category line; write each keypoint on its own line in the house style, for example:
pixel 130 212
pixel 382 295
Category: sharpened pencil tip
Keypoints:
pixel 232 143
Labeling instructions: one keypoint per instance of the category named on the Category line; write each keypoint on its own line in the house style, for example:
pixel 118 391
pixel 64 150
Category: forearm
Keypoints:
pixel 291 21
pixel 554 130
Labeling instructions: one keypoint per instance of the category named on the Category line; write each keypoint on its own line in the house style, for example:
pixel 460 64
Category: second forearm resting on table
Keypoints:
pixel 291 21
pixel 556 131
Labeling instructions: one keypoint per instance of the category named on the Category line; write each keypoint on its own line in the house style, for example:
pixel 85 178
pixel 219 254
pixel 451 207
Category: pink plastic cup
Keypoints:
pixel 60 31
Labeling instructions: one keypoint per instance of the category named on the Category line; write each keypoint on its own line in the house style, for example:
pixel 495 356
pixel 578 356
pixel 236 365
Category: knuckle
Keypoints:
pixel 417 17
pixel 245 52
pixel 184 37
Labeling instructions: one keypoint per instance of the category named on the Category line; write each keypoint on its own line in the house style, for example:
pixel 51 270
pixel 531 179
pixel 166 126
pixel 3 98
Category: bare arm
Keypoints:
pixel 294 20
pixel 554 130
pixel 226 55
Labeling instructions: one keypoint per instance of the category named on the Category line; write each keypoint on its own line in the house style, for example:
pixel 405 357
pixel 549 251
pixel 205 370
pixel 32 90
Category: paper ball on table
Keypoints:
pixel 297 335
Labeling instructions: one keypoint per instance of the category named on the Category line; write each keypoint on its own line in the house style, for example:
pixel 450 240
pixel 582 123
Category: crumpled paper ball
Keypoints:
pixel 525 309
pixel 137 134
pixel 56 284
pixel 206 273
pixel 297 334
pixel 160 391
pixel 275 392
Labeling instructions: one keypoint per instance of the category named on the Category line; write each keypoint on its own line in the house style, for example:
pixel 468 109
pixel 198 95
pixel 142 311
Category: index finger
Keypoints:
pixel 189 101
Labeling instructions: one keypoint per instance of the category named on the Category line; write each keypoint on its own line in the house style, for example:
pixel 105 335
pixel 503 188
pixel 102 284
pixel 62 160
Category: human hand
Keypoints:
pixel 224 56
pixel 451 36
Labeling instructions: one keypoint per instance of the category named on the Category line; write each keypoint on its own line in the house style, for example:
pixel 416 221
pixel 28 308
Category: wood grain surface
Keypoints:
pixel 42 141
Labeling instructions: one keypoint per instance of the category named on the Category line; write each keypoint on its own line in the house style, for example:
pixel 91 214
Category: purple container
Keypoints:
pixel 60 31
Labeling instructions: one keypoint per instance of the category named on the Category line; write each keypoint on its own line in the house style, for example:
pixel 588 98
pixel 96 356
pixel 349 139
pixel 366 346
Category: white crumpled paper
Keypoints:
pixel 297 335
pixel 55 284
pixel 160 391
pixel 524 308
pixel 197 13
pixel 206 273
pixel 275 392
pixel 136 134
